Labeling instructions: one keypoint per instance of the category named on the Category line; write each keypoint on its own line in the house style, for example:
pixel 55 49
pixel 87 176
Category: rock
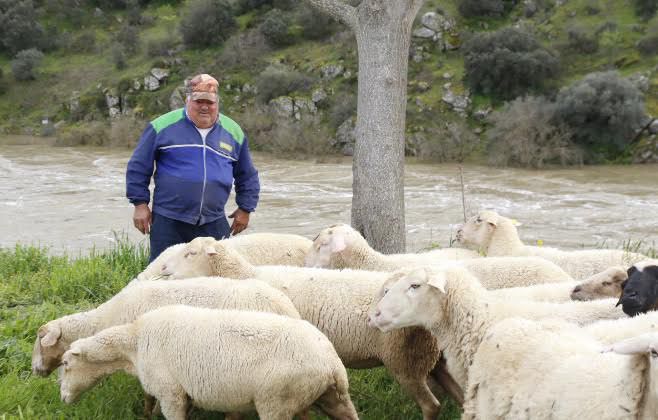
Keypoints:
pixel 447 76
pixel 303 106
pixel 424 33
pixel 74 102
pixel 177 98
pixel 417 53
pixel 249 89
pixel 530 8
pixel 653 128
pixel 345 138
pixel 437 22
pixel 640 81
pixel 457 102
pixel 477 130
pixel 423 86
pixel 151 83
pixel 347 74
pixel 331 71
pixel 137 85
pixel 125 105
pixel 98 13
pixel 481 114
pixel 318 95
pixel 115 113
pixel 447 86
pixel 111 99
pixel 283 106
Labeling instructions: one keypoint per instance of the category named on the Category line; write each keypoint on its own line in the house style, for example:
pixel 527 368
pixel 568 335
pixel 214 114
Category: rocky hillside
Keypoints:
pixel 289 74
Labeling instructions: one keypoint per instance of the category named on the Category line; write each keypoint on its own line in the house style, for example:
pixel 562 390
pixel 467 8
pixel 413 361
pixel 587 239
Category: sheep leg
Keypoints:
pixel 174 406
pixel 452 388
pixel 337 405
pixel 421 394
pixel 149 405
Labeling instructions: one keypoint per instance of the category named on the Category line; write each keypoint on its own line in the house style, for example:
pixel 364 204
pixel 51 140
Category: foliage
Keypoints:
pixel 342 106
pixel 36 287
pixel 84 42
pixel 645 8
pixel 3 82
pixel 94 133
pixel 471 8
pixel 159 47
pixel 119 56
pixel 207 23
pixel 523 134
pixel 602 111
pixel 276 28
pixel 277 81
pixel 128 38
pixel 648 45
pixel 451 141
pixel 244 6
pixel 315 24
pixel 25 64
pixel 19 27
pixel 244 50
pixel 580 41
pixel 507 63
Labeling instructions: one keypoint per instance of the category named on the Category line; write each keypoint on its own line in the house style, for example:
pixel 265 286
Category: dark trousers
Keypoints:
pixel 166 232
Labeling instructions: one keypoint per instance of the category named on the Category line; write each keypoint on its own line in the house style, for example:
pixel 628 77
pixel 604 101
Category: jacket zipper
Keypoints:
pixel 203 190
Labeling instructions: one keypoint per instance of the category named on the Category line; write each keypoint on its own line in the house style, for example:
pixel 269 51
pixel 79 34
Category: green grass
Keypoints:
pixel 36 287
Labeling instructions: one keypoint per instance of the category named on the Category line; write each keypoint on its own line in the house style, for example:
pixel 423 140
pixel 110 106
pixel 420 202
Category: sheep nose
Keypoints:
pixel 577 289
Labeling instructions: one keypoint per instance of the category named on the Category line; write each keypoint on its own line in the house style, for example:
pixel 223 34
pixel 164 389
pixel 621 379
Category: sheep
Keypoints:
pixel 640 292
pixel 606 284
pixel 596 286
pixel 257 248
pixel 222 360
pixel 54 337
pixel 497 236
pixel 337 303
pixel 340 246
pixel 550 370
pixel 452 304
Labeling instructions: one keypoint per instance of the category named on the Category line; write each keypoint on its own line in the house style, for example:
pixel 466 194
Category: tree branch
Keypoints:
pixel 340 11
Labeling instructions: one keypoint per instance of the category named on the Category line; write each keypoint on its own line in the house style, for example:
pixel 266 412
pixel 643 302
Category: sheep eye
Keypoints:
pixel 385 291
pixel 606 283
pixel 414 286
pixel 654 353
pixel 478 220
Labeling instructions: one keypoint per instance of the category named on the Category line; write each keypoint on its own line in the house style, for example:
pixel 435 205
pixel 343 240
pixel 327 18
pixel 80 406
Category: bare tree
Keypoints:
pixel 383 35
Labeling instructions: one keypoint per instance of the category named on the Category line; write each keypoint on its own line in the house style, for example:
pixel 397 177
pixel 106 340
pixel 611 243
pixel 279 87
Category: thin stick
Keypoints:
pixel 461 180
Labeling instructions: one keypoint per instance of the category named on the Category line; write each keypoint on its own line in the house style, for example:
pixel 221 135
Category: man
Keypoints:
pixel 198 153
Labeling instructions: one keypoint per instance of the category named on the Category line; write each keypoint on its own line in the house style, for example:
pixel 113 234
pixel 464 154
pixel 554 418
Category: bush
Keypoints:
pixel 507 63
pixel 602 111
pixel 472 8
pixel 125 132
pixel 19 28
pixel 3 83
pixel 93 133
pixel 648 45
pixel 443 142
pixel 245 49
pixel 24 65
pixel 207 23
pixel 128 37
pixel 645 8
pixel 315 24
pixel 580 41
pixel 277 81
pixel 592 7
pixel 244 6
pixel 119 57
pixel 276 28
pixel 523 134
pixel 343 106
pixel 84 42
pixel 160 47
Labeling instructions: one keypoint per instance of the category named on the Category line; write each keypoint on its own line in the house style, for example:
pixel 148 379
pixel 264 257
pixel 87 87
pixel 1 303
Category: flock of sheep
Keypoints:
pixel 268 322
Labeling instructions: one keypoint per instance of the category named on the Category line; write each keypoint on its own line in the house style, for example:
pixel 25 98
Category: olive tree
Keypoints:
pixel 383 35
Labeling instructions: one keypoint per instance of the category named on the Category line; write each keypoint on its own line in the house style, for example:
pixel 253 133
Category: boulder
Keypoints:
pixel 177 98
pixel 283 106
pixel 331 71
pixel 653 127
pixel 160 74
pixel 151 83
pixel 345 138
pixel 318 95
pixel 424 33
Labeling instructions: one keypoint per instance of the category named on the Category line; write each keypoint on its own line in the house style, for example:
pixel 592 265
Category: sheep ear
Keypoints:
pixel 210 250
pixel 338 243
pixel 438 280
pixel 75 351
pixel 51 336
pixel 632 269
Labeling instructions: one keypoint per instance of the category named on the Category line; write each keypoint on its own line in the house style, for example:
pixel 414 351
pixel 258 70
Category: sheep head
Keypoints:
pixel 330 244
pixel 192 259
pixel 479 229
pixel 409 297
pixel 640 291
pixel 48 349
pixel 77 373
pixel 154 270
pixel 605 284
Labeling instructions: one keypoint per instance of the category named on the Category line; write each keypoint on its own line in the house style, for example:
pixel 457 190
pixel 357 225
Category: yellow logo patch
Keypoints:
pixel 225 146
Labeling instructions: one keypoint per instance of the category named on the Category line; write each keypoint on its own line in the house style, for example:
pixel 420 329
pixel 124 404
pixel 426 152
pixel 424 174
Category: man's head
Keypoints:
pixel 202 98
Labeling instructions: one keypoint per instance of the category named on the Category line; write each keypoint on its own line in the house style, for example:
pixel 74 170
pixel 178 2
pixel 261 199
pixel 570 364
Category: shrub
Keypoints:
pixel 276 28
pixel 523 134
pixel 276 81
pixel 84 42
pixel 443 142
pixel 602 111
pixel 507 63
pixel 19 28
pixel 24 65
pixel 125 132
pixel 245 49
pixel 343 106
pixel 160 46
pixel 128 37
pixel 580 41
pixel 645 8
pixel 93 133
pixel 315 24
pixel 648 45
pixel 3 82
pixel 244 6
pixel 592 7
pixel 207 23
pixel 472 8
pixel 119 56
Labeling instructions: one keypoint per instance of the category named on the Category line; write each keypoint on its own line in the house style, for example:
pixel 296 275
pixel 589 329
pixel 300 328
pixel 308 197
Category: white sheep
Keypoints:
pixel 340 246
pixel 497 236
pixel 599 286
pixel 221 360
pixel 257 248
pixel 551 370
pixel 139 297
pixel 610 331
pixel 337 303
pixel 452 304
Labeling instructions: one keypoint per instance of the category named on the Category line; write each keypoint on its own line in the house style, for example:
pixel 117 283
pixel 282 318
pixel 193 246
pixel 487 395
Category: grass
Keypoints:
pixel 36 287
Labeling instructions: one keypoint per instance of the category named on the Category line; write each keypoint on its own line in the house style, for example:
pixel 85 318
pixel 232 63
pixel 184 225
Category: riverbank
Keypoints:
pixel 36 287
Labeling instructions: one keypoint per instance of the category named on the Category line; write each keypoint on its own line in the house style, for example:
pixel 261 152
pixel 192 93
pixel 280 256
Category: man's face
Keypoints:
pixel 202 112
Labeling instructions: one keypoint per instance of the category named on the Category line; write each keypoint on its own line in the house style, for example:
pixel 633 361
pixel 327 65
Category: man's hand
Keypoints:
pixel 240 221
pixel 142 218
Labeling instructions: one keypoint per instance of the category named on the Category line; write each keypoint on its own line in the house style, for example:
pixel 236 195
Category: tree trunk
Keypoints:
pixel 383 35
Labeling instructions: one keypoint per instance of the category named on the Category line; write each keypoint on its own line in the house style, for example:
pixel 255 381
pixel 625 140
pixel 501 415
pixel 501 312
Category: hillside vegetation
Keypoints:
pixel 526 83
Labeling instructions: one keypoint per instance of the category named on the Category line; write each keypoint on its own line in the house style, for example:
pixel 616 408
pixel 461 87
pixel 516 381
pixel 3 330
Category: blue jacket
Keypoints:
pixel 193 178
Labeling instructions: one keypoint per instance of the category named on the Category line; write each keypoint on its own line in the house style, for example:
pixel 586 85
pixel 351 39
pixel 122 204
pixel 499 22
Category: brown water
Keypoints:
pixel 73 198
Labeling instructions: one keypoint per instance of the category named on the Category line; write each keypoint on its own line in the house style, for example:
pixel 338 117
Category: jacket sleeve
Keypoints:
pixel 140 168
pixel 247 184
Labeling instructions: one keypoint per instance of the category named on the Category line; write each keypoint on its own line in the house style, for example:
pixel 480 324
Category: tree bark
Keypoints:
pixel 383 34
